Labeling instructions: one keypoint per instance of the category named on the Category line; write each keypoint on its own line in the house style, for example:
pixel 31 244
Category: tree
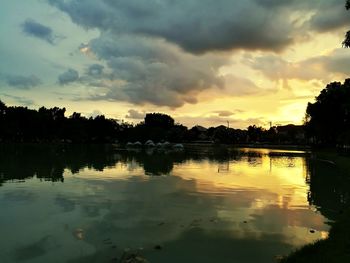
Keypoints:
pixel 2 107
pixel 255 133
pixel 159 120
pixel 328 119
pixel 346 42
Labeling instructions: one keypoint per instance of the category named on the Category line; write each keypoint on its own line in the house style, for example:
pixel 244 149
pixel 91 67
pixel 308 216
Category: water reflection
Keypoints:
pixel 48 162
pixel 329 193
pixel 205 205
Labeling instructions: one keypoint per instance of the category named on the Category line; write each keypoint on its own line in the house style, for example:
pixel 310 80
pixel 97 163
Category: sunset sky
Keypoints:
pixel 203 62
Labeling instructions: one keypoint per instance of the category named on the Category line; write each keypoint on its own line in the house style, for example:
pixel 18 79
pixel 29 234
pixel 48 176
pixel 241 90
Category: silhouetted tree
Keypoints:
pixel 225 135
pixel 346 42
pixel 328 119
pixel 20 124
pixel 159 120
pixel 255 133
pixel 2 107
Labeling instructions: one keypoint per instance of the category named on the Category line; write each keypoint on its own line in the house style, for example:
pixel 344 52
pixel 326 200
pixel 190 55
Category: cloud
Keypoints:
pixel 213 121
pixel 23 82
pixel 93 114
pixel 69 76
pixel 224 113
pixel 152 71
pixel 197 26
pixel 239 86
pixel 21 100
pixel 35 29
pixel 164 52
pixel 136 115
pixel 95 70
pixel 332 15
pixel 325 67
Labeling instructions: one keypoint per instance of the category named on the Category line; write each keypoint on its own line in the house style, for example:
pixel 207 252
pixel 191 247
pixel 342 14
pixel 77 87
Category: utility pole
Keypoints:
pixel 228 124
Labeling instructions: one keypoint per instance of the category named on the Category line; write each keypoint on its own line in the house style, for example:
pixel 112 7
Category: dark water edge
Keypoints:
pixel 336 248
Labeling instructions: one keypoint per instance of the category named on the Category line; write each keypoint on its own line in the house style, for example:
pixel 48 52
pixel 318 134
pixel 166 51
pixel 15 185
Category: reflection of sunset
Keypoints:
pixel 266 188
pixel 248 198
pixel 282 177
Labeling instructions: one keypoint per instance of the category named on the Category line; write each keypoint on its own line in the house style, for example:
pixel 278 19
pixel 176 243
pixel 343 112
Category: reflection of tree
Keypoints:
pixel 329 190
pixel 224 167
pixel 48 162
pixel 156 163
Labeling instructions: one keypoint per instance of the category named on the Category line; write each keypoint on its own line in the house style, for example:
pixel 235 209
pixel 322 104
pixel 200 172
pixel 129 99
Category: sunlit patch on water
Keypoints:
pixel 244 205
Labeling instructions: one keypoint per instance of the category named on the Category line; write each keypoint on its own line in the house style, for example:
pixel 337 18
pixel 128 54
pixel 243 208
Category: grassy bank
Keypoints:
pixel 336 248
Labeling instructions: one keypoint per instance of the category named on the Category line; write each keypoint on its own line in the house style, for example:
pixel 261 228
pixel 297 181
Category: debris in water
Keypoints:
pixel 158 247
pixel 132 257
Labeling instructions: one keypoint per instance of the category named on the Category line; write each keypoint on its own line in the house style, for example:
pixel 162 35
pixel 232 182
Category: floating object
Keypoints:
pixel 150 143
pixel 178 146
pixel 137 144
pixel 166 145
pixel 158 247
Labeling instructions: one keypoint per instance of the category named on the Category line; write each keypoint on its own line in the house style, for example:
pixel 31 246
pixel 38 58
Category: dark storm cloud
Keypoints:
pixel 331 16
pixel 153 71
pixel 69 76
pixel 197 26
pixel 23 82
pixel 35 29
pixel 161 52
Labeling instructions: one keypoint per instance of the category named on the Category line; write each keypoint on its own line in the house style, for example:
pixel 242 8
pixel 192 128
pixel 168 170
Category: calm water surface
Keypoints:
pixel 90 203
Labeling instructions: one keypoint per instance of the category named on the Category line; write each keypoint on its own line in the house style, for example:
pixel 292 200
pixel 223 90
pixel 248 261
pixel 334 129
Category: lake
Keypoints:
pixel 96 203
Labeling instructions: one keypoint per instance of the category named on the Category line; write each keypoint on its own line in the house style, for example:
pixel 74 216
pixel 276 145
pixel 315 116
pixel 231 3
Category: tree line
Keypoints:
pixel 21 124
pixel 327 122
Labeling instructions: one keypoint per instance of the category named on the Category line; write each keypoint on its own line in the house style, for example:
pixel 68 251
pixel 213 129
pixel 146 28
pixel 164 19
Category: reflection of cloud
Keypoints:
pixel 195 209
pixel 67 204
